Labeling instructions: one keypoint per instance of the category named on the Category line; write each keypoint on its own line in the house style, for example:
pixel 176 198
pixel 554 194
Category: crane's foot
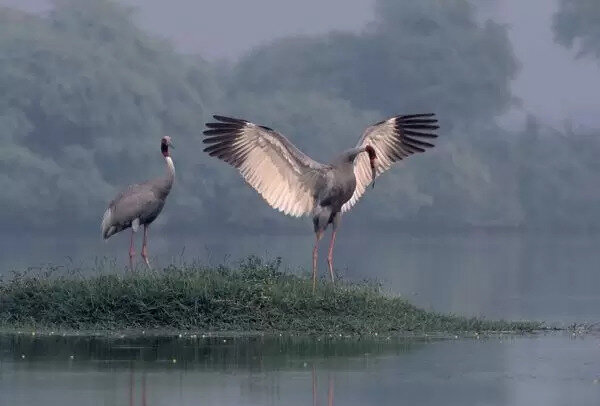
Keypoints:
pixel 145 256
pixel 146 261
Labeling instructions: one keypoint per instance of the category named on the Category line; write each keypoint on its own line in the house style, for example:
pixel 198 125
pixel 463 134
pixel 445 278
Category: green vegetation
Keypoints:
pixel 86 94
pixel 256 296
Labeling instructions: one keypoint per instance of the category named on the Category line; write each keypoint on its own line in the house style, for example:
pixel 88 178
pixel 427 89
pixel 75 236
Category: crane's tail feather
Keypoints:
pixel 135 224
pixel 107 228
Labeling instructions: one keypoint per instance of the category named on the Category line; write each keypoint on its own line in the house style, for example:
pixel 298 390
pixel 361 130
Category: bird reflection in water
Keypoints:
pixel 314 389
pixel 132 388
pixel 144 401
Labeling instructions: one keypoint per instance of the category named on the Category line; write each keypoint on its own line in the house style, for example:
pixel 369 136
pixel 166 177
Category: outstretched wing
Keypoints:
pixel 283 175
pixel 393 139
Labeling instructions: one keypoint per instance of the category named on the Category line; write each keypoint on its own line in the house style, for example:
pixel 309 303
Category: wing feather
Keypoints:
pixel 393 140
pixel 282 174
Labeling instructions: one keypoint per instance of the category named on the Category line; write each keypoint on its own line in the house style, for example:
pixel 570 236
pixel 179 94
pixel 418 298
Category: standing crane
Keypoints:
pixel 293 183
pixel 140 204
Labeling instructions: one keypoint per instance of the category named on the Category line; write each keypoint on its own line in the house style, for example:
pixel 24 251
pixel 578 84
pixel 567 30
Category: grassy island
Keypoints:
pixel 252 296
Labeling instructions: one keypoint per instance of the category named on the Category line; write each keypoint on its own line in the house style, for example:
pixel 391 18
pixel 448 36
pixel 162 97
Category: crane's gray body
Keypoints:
pixel 337 187
pixel 143 202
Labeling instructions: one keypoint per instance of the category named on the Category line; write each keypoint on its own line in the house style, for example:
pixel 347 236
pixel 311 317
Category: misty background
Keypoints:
pixel 88 89
pixel 499 220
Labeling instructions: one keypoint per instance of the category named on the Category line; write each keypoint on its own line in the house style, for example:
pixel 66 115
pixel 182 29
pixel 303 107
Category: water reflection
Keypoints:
pixel 133 387
pixel 314 389
pixel 189 352
pixel 137 388
pixel 545 369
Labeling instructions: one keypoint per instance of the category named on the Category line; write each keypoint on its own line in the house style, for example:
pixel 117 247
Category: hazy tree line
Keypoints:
pixel 85 96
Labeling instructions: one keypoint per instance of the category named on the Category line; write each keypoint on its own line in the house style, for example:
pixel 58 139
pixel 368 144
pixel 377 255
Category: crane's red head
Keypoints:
pixel 165 143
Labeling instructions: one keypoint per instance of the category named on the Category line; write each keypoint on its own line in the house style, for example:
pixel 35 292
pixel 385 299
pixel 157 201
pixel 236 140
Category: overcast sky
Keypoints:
pixel 551 83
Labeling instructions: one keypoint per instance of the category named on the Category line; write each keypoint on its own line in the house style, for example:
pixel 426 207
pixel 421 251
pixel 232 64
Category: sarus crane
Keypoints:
pixel 297 185
pixel 139 205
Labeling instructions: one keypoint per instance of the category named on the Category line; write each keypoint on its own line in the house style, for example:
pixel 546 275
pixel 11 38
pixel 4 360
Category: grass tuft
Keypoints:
pixel 254 296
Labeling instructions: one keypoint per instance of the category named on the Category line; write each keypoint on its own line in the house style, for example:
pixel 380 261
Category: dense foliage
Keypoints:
pixel 85 96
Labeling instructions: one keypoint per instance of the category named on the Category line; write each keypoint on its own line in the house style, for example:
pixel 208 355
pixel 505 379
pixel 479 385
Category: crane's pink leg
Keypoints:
pixel 131 252
pixel 330 255
pixel 319 234
pixel 145 247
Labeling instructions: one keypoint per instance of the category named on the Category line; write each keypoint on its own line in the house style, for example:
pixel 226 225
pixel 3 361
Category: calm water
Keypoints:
pixel 512 276
pixel 541 370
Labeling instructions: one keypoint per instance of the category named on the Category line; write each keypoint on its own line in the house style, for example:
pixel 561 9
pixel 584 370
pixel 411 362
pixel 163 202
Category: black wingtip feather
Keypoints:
pixel 218 131
pixel 419 126
pixel 215 139
pixel 409 123
pixel 420 121
pixel 411 147
pixel 411 116
pixel 418 142
pixel 412 128
pixel 419 134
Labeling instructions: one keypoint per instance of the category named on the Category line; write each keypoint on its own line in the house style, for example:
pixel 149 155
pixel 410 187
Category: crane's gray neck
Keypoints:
pixel 164 186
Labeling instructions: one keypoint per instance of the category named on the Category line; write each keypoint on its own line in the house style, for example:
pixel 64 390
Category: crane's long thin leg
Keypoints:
pixel 330 254
pixel 131 251
pixel 318 234
pixel 145 247
pixel 334 227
